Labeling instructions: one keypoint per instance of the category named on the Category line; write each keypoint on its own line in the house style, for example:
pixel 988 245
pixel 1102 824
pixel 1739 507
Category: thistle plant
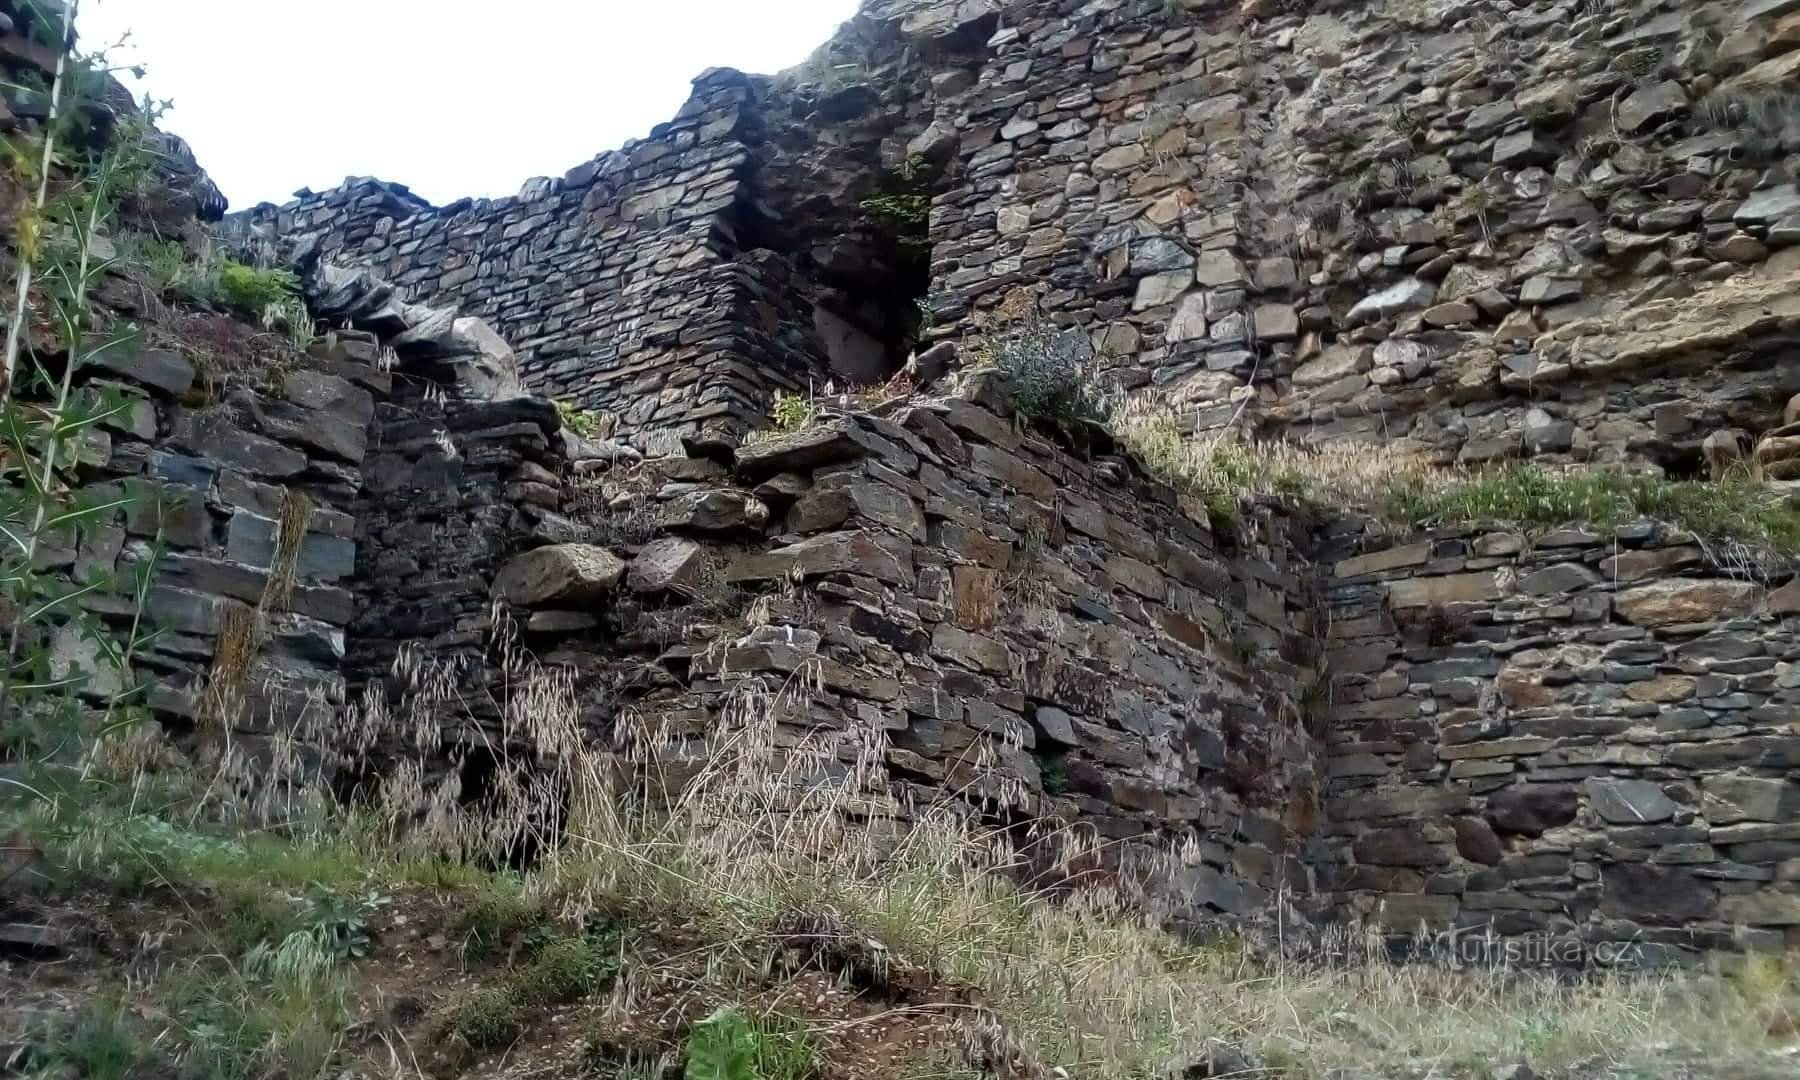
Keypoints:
pixel 48 418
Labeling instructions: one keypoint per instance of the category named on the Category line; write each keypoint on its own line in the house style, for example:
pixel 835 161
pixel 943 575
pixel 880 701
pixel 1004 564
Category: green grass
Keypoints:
pixel 488 1017
pixel 497 911
pixel 1604 500
pixel 567 969
pixel 1222 473
pixel 99 1043
pixel 583 422
pixel 563 968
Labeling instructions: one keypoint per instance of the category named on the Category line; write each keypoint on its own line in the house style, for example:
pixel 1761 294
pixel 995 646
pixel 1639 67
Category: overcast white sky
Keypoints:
pixel 451 97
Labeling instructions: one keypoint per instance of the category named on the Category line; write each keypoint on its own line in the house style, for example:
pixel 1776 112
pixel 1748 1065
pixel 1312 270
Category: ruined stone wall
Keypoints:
pixel 1374 221
pixel 212 477
pixel 615 283
pixel 1556 229
pixel 1387 222
pixel 451 490
pixel 1588 737
pixel 1046 633
pixel 1481 196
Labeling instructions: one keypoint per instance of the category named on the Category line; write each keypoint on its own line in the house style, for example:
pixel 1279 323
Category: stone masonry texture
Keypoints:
pixel 1478 232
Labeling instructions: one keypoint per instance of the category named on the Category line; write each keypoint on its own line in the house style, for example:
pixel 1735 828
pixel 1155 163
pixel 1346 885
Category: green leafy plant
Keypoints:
pixel 255 291
pixel 162 265
pixel 47 419
pixel 902 203
pixel 583 422
pixel 727 1045
pixel 791 412
pixel 1050 372
pixel 340 924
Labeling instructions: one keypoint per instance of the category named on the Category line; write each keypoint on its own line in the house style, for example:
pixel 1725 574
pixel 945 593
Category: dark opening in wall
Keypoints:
pixel 861 269
pixel 846 154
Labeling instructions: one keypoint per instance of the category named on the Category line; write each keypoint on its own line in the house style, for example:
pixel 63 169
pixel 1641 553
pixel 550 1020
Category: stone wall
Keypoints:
pixel 615 282
pixel 1582 736
pixel 1553 229
pixel 214 472
pixel 680 281
pixel 1391 222
pixel 1373 221
pixel 1049 633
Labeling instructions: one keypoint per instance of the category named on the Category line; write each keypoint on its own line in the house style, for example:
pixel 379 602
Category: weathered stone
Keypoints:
pixel 1657 894
pixel 1404 913
pixel 1669 602
pixel 252 540
pixel 1438 591
pixel 1056 725
pixel 819 555
pixel 561 575
pixel 1728 800
pixel 1768 205
pixel 1650 103
pixel 716 511
pixel 1409 294
pixel 1399 846
pixel 1522 148
pixel 1764 907
pixel 1629 802
pixel 1558 578
pixel 671 564
pixel 1159 289
pixel 1545 434
pixel 1532 809
pixel 1393 558
pixel 1628 566
pixel 159 369
pixel 1476 841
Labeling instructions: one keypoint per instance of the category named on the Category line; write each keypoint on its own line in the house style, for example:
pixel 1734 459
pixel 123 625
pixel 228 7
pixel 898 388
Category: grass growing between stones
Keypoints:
pixel 1408 492
pixel 1223 472
pixel 1604 500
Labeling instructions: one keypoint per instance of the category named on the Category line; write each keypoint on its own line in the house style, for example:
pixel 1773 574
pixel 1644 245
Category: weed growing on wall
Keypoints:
pixel 791 412
pixel 253 291
pixel 64 666
pixel 1409 492
pixel 1050 372
pixel 1603 499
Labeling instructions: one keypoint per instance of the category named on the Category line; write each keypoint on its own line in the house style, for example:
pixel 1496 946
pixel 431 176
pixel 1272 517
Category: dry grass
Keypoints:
pixel 1223 471
pixel 764 826
pixel 1406 491
pixel 763 831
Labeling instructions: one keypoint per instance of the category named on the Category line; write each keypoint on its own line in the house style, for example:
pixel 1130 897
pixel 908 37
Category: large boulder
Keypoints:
pixel 562 575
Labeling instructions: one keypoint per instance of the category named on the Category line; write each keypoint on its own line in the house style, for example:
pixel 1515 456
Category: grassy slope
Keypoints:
pixel 237 955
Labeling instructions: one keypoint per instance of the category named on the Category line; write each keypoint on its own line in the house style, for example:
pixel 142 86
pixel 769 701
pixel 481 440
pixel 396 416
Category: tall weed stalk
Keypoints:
pixel 47 420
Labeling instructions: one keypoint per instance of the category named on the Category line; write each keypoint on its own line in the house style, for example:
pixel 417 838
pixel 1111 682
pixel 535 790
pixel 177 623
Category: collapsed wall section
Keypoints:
pixel 614 282
pixel 1587 738
pixel 1040 633
pixel 676 284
